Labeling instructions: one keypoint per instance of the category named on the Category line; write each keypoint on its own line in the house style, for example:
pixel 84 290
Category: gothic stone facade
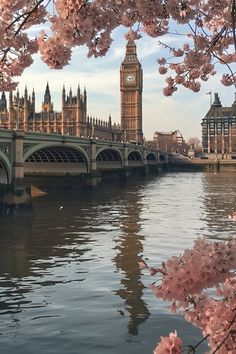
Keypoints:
pixel 219 129
pixel 20 112
pixel 72 120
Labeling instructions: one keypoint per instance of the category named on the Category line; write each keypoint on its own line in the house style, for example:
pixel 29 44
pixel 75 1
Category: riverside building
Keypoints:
pixel 219 129
pixel 72 120
pixel 170 142
pixel 18 112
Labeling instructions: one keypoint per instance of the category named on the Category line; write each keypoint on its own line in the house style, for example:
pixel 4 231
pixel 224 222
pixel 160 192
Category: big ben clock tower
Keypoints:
pixel 131 86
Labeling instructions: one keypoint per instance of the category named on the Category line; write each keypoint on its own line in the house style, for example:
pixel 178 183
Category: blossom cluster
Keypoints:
pixel 186 280
pixel 171 344
pixel 209 40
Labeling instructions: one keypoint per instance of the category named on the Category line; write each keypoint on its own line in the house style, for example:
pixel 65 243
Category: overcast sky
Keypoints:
pixel 183 111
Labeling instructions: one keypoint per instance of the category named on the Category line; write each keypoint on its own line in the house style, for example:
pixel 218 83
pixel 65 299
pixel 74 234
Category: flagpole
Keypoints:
pixel 210 93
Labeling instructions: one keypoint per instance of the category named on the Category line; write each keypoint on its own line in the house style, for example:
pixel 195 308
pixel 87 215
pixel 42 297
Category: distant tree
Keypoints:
pixel 207 27
pixel 194 142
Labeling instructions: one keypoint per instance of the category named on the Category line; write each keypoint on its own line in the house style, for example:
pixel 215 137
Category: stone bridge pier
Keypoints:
pixel 16 195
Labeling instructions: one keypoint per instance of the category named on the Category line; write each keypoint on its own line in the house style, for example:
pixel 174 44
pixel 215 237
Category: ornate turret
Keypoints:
pixel 47 95
pixel 216 101
pixel 47 105
pixel 73 110
pixel 63 96
pixel 131 53
pixel 85 98
pixel 3 103
pixel 78 92
pixel 33 101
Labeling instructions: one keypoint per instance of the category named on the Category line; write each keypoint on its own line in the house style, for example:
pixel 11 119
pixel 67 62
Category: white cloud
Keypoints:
pixel 184 110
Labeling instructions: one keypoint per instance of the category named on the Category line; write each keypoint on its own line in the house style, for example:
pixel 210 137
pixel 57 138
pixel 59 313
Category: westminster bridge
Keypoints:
pixel 38 158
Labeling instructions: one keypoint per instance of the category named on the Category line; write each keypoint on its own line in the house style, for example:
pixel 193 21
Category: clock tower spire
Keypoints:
pixel 131 86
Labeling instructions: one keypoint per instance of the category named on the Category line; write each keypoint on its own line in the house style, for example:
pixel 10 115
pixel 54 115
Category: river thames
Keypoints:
pixel 69 276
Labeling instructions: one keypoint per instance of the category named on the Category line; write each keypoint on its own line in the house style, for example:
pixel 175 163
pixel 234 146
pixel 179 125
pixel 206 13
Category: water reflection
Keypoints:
pixel 219 201
pixel 64 274
pixel 31 247
pixel 129 248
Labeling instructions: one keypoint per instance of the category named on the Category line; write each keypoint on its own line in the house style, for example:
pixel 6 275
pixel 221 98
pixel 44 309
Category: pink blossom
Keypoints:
pixel 171 345
pixel 185 282
pixel 179 79
pixel 228 80
pixel 54 53
pixel 161 61
pixel 168 90
pixel 91 24
pixel 162 70
pixel 178 52
pixel 186 47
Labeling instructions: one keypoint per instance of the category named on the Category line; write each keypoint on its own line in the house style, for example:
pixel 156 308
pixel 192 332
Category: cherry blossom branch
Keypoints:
pixel 193 348
pixel 27 14
pixel 233 14
pixel 227 335
pixel 90 23
pixel 227 77
pixel 212 315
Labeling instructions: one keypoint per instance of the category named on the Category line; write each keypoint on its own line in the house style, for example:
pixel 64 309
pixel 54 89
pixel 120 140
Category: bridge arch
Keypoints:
pixel 151 158
pixel 56 159
pixel 5 169
pixel 162 157
pixel 109 158
pixel 135 158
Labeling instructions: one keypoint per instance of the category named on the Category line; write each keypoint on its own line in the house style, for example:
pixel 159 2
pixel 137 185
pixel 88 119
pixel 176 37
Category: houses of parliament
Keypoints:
pixel 18 112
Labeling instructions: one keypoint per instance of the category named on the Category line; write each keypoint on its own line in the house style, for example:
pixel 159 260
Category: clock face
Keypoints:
pixel 129 78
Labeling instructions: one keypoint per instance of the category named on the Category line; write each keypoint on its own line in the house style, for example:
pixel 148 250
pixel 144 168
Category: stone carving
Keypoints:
pixel 5 148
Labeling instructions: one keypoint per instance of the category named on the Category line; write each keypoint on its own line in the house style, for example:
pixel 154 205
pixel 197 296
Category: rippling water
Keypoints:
pixel 69 278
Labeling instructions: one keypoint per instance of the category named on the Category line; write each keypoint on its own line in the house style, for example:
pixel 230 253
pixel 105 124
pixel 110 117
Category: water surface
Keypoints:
pixel 69 277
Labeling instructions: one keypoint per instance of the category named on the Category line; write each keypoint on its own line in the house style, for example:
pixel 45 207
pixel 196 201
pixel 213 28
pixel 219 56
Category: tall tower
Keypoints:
pixel 47 105
pixel 131 86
